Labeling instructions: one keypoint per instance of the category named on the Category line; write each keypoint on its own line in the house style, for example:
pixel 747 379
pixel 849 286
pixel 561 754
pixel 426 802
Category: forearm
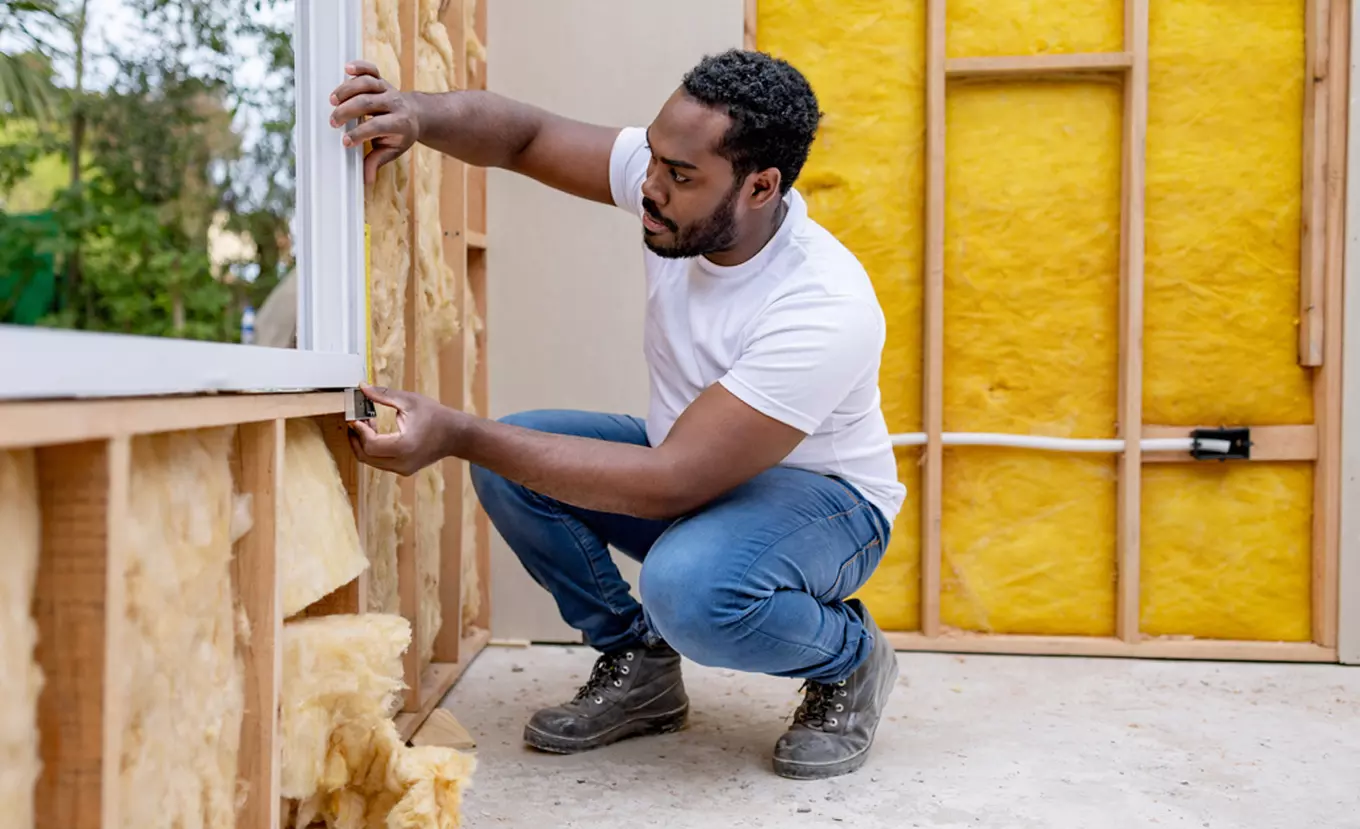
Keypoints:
pixel 585 472
pixel 481 128
pixel 489 130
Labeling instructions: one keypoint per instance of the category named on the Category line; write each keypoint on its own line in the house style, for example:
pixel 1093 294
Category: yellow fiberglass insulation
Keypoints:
pixel 20 526
pixel 436 71
pixel 343 764
pixel 863 182
pixel 1031 297
pixel 319 547
pixel 387 216
pixel 986 28
pixel 1224 193
pixel 179 676
pixel 1031 347
pixel 1225 551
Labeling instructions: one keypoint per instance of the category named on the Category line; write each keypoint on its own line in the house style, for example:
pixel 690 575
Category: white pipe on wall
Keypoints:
pixel 1112 446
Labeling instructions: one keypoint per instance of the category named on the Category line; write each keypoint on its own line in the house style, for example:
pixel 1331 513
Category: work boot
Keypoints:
pixel 631 692
pixel 834 727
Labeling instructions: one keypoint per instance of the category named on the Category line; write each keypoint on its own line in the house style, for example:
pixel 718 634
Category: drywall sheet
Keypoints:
pixel 1223 206
pixel 21 527
pixel 1032 216
pixel 987 28
pixel 864 182
pixel 179 676
pixel 319 549
pixel 436 71
pixel 390 264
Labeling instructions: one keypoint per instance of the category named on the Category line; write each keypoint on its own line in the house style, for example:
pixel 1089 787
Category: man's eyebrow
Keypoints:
pixel 670 161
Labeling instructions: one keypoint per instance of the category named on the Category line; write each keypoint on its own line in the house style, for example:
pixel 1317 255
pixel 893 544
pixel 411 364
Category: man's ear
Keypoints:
pixel 764 187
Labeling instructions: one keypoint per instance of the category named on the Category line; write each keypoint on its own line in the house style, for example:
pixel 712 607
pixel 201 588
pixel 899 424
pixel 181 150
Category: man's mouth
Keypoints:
pixel 652 224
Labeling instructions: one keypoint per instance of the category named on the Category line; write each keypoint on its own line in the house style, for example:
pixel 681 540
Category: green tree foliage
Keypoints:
pixel 158 157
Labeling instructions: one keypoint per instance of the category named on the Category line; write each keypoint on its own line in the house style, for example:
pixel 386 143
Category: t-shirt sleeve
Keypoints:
pixel 628 168
pixel 804 355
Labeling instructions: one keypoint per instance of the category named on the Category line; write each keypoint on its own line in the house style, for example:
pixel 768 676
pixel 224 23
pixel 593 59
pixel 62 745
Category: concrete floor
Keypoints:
pixel 997 742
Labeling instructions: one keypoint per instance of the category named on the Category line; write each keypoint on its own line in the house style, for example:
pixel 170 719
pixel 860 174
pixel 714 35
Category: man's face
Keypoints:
pixel 691 205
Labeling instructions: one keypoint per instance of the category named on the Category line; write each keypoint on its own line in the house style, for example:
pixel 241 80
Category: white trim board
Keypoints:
pixel 46 363
pixel 1348 633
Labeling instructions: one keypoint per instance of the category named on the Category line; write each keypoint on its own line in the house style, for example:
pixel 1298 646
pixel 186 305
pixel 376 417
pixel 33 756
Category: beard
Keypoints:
pixel 716 232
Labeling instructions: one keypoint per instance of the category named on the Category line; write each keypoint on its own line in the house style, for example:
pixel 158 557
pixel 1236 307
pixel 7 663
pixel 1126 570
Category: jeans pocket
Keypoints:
pixel 855 571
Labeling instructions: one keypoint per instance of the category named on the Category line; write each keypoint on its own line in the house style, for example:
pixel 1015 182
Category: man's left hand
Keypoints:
pixel 424 430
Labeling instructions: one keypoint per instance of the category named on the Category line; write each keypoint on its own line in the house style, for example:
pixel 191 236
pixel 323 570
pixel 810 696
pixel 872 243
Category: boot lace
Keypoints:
pixel 819 703
pixel 608 670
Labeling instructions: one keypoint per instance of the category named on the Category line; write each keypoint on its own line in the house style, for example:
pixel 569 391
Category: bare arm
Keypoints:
pixel 481 128
pixel 716 444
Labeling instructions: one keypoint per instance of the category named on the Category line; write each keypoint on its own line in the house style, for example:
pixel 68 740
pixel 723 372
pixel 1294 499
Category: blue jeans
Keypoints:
pixel 756 580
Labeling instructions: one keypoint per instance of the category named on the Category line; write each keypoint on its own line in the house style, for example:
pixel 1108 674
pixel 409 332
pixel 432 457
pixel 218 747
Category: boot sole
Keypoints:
pixel 664 723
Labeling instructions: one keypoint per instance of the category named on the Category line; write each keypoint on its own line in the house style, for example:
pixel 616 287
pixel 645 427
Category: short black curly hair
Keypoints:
pixel 773 109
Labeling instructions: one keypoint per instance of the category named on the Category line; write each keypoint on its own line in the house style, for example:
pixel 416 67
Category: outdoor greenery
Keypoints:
pixel 132 169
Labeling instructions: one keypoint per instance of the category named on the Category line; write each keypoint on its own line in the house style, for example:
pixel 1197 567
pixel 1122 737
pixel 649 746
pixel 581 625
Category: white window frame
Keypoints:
pixel 332 308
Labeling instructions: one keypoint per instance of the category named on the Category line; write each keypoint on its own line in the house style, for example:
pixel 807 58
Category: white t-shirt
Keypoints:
pixel 795 332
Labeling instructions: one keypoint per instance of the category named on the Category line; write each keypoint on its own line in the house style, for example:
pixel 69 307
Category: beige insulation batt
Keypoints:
pixel 343 762
pixel 179 676
pixel 319 547
pixel 387 216
pixel 20 527
pixel 436 71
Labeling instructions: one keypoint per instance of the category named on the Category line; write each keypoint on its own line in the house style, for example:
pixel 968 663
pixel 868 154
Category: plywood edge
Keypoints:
pixel 1159 648
pixel 436 681
pixel 49 422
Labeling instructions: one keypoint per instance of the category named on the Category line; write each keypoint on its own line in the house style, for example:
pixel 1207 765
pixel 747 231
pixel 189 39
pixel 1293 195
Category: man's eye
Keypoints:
pixel 679 178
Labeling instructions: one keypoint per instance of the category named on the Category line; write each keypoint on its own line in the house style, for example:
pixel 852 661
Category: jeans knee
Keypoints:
pixel 686 604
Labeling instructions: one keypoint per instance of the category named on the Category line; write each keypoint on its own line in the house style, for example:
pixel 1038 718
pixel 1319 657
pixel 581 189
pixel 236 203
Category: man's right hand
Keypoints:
pixel 392 118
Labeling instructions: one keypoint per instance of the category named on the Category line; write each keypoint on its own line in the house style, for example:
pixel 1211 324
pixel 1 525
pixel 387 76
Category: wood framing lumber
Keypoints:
pixel 436 681
pixel 481 399
pixel 1029 67
pixel 1327 386
pixel 443 729
pixel 1268 443
pixel 45 423
pixel 476 240
pixel 750 14
pixel 1132 253
pixel 407 570
pixel 79 606
pixel 1207 649
pixel 1312 288
pixel 456 239
pixel 259 472
pixel 932 398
